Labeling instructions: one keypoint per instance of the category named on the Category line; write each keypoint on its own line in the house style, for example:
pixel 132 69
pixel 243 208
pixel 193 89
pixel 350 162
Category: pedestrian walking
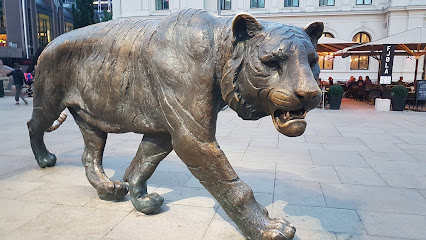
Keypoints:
pixel 19 80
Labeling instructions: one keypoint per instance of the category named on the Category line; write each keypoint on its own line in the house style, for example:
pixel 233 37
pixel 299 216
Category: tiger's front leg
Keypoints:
pixel 152 150
pixel 209 165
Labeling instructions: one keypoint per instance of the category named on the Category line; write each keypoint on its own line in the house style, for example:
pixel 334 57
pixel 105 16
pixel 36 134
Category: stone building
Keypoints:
pixel 357 20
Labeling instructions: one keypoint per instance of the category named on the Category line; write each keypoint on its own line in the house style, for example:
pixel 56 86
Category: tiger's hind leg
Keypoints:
pixel 94 145
pixel 152 150
pixel 40 121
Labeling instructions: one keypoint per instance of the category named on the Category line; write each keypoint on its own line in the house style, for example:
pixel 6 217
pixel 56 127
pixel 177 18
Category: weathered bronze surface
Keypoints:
pixel 168 80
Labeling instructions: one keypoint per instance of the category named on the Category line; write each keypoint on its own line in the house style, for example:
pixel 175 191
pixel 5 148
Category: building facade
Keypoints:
pixel 27 26
pixel 355 20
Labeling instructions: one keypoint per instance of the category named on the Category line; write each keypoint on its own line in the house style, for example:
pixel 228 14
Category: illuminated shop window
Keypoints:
pixel 44 30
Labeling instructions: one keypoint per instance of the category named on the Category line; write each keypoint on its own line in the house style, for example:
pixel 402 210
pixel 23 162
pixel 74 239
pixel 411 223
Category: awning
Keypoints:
pixel 326 44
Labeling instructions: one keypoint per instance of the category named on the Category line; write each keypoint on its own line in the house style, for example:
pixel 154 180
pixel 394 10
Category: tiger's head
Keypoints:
pixel 272 70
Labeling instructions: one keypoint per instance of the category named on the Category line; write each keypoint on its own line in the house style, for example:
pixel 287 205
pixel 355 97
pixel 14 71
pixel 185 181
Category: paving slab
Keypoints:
pixel 166 178
pixel 74 221
pixel 359 176
pixel 66 175
pixel 188 196
pixel 346 147
pixel 175 222
pixel 374 137
pixel 399 226
pixel 365 237
pixel 13 189
pixel 299 192
pixel 71 195
pixel 13 162
pixel 14 214
pixel 388 156
pixel 278 155
pixel 307 173
pixel 374 198
pixel 299 139
pixel 338 158
pixel 320 218
pixel 420 156
pixel 405 181
pixel 221 229
pixel 398 167
pixel 328 132
pixel 422 192
pixel 333 140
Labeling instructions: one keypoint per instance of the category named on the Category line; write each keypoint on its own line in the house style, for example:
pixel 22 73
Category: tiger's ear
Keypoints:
pixel 314 30
pixel 245 26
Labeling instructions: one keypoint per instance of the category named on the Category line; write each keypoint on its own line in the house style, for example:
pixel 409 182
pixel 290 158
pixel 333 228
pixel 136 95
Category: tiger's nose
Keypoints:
pixel 307 95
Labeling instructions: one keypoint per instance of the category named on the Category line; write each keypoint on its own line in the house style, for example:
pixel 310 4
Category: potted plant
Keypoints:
pixel 335 94
pixel 398 97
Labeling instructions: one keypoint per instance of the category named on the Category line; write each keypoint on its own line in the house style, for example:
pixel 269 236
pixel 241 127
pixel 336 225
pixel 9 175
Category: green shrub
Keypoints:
pixel 399 91
pixel 335 90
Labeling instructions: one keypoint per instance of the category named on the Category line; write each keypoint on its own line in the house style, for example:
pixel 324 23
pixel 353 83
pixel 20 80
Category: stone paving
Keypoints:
pixel 355 174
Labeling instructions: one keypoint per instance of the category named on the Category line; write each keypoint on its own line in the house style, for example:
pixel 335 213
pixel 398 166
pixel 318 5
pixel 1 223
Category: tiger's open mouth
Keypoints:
pixel 290 123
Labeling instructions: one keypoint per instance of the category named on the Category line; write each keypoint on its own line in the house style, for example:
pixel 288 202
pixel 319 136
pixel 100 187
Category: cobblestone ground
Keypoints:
pixel 355 174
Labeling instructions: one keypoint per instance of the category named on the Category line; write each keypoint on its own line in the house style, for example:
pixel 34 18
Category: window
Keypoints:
pixel 326 2
pixel 69 26
pixel 360 62
pixel 257 3
pixel 44 31
pixel 363 2
pixel 326 59
pixel 291 3
pixel 225 4
pixel 161 4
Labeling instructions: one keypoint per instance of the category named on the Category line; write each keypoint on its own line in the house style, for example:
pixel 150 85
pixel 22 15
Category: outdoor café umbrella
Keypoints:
pixel 411 42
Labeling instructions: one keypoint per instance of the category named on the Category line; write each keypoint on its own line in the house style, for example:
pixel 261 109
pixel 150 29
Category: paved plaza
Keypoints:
pixel 355 174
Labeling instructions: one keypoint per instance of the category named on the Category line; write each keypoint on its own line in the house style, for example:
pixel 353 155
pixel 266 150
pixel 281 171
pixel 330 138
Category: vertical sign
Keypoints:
pixel 421 90
pixel 386 64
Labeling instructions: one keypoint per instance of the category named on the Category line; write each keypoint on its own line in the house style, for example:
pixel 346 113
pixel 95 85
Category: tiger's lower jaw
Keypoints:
pixel 290 123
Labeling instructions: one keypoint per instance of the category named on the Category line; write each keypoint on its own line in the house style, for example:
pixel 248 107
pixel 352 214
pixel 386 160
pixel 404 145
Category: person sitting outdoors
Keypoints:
pixel 400 81
pixel 325 83
pixel 330 81
pixel 351 82
pixel 368 82
pixel 360 82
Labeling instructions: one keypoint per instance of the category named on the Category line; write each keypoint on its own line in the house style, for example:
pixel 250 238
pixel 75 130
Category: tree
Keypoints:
pixel 83 13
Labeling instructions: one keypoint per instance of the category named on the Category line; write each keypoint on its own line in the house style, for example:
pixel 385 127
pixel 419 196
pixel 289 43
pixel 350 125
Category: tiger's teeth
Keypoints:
pixel 287 115
pixel 304 114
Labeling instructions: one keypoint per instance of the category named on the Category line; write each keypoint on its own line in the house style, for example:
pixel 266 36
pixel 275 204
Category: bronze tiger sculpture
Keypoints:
pixel 168 79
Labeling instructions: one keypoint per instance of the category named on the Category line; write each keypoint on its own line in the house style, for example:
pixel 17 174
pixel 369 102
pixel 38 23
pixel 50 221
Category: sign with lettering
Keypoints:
pixel 387 64
pixel 421 90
